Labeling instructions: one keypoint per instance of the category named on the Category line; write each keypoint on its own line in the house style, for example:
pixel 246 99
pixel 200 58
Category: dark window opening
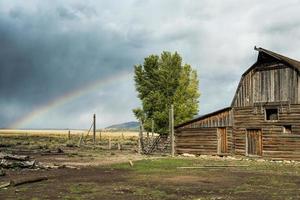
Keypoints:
pixel 287 129
pixel 271 114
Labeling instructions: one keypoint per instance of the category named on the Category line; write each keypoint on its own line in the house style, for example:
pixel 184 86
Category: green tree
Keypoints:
pixel 161 81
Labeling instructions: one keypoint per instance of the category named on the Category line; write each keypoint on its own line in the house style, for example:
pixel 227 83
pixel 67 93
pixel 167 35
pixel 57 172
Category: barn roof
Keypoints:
pixel 204 116
pixel 289 61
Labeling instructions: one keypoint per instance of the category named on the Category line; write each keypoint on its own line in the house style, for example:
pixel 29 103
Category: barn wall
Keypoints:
pixel 222 119
pixel 273 82
pixel 199 140
pixel 230 140
pixel 276 143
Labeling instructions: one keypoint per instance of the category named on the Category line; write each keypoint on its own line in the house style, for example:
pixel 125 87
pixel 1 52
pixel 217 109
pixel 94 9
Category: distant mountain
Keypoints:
pixel 125 126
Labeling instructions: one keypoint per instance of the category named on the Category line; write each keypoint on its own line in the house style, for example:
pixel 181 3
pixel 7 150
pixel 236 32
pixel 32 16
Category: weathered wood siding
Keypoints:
pixel 200 140
pixel 271 82
pixel 222 119
pixel 276 143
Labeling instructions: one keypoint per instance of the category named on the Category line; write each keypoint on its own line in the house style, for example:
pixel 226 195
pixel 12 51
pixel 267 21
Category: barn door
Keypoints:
pixel 253 142
pixel 222 140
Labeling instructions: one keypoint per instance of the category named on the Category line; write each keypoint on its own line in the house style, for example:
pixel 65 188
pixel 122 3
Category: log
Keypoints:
pixel 4 185
pixel 13 157
pixel 212 166
pixel 52 154
pixel 16 164
pixel 28 180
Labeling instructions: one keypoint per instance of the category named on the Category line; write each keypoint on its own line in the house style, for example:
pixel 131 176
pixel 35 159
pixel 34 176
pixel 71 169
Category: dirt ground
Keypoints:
pixel 159 178
pixel 98 173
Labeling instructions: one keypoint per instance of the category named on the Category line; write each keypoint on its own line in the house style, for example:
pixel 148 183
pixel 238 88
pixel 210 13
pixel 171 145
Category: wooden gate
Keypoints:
pixel 222 140
pixel 253 142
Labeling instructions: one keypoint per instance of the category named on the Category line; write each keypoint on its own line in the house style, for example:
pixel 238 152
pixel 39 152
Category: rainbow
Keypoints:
pixel 68 97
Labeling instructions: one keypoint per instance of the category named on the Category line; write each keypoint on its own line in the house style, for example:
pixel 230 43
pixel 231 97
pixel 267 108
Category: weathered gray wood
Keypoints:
pixel 69 135
pixel 141 131
pixel 268 85
pixel 94 129
pixel 139 146
pixel 172 130
pixel 28 180
pixel 152 128
pixel 109 143
pixel 270 82
pixel 213 166
pixel 80 140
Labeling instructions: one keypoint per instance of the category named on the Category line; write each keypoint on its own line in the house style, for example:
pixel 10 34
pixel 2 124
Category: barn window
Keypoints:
pixel 287 129
pixel 271 114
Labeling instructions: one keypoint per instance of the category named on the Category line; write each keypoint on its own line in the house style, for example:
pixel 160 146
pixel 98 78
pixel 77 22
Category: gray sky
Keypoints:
pixel 52 48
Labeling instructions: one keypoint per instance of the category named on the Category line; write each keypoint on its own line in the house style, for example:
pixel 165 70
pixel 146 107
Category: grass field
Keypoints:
pixel 106 174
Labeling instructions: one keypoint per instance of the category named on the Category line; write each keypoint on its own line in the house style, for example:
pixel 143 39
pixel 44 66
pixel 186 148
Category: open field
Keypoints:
pixel 94 172
pixel 104 134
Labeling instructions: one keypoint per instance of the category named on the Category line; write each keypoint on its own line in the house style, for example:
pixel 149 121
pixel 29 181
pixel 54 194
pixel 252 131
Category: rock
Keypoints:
pixel 287 161
pixel 231 158
pixel 59 150
pixel 203 156
pixel 2 172
pixel 188 155
pixel 71 145
pixel 61 167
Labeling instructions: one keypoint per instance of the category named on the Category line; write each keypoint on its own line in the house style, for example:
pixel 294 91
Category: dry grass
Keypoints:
pixel 64 133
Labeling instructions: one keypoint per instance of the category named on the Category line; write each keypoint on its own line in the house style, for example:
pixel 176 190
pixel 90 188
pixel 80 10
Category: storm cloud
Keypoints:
pixel 49 48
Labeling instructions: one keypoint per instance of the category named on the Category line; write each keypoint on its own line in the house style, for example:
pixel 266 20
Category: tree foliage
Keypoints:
pixel 162 81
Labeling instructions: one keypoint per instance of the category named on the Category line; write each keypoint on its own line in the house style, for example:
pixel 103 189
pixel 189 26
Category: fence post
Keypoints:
pixel 152 127
pixel 139 146
pixel 69 135
pixel 171 120
pixel 94 130
pixel 109 144
pixel 141 136
pixel 80 140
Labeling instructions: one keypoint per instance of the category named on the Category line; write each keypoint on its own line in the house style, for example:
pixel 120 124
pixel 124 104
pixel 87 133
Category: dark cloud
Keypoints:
pixel 50 48
pixel 40 62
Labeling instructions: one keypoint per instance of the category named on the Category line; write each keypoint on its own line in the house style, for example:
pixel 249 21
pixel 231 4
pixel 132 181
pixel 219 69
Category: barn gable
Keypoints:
pixel 272 78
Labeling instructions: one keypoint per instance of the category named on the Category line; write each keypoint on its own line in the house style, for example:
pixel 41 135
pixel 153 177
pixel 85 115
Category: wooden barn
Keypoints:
pixel 262 121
